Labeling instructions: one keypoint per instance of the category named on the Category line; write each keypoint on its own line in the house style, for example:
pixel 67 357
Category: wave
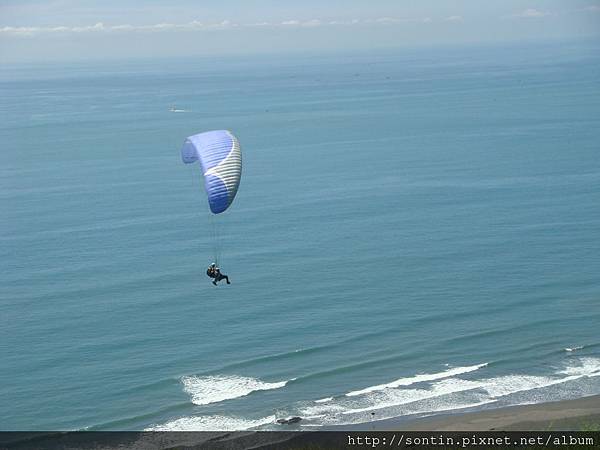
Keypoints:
pixel 585 367
pixel 505 385
pixel 388 398
pixel 399 397
pixel 444 395
pixel 211 423
pixel 418 379
pixel 572 349
pixel 212 389
pixel 513 384
pixel 418 395
pixel 443 391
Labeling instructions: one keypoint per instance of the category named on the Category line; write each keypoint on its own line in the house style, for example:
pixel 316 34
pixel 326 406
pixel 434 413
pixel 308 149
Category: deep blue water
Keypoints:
pixel 419 229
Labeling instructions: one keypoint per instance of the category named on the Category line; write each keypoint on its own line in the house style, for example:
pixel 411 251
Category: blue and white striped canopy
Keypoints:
pixel 220 159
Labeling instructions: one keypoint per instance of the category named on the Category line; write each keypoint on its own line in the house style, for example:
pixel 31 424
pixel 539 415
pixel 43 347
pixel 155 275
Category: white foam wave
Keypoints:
pixel 442 394
pixel 323 410
pixel 512 384
pixel 212 389
pixel 313 417
pixel 377 400
pixel 211 423
pixel 398 397
pixel 585 367
pixel 446 395
pixel 436 392
pixel 418 379
pixel 572 349
pixel 458 406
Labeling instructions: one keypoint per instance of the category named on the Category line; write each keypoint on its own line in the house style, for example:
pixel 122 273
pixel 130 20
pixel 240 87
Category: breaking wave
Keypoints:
pixel 443 391
pixel 418 379
pixel 217 388
pixel 421 394
pixel 211 423
pixel 572 349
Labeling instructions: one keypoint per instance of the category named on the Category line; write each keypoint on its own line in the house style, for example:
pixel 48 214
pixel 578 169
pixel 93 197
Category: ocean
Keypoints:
pixel 416 231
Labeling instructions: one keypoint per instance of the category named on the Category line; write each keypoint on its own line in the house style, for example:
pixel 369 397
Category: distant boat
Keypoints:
pixel 175 110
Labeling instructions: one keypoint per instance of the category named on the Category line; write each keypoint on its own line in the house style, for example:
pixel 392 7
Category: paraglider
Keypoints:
pixel 220 158
pixel 214 272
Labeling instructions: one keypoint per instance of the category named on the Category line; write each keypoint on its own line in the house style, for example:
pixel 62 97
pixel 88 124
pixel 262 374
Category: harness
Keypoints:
pixel 214 273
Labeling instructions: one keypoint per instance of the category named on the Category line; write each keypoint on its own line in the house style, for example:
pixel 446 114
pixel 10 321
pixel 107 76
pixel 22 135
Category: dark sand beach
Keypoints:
pixel 575 415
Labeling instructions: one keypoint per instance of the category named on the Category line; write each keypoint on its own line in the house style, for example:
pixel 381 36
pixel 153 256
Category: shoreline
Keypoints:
pixel 565 415
pixel 582 414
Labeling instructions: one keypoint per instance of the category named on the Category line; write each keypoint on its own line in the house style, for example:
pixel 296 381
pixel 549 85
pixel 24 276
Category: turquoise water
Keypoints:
pixel 416 231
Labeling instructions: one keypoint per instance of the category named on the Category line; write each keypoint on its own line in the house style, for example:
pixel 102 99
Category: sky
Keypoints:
pixel 64 30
